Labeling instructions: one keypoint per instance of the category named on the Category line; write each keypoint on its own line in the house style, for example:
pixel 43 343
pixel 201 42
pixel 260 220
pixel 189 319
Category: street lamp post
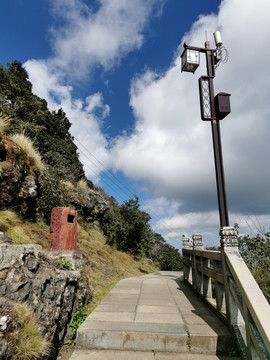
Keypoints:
pixel 213 108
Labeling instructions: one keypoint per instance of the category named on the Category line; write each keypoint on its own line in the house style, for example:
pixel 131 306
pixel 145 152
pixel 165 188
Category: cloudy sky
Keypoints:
pixel 114 67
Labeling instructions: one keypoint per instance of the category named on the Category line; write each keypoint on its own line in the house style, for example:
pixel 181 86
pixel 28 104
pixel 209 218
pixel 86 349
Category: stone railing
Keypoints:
pixel 223 280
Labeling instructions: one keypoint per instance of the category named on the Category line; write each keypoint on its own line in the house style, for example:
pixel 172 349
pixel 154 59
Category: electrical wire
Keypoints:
pixel 222 55
pixel 107 170
pixel 122 184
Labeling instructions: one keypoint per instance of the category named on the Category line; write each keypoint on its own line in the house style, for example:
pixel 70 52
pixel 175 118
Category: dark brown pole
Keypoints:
pixel 220 179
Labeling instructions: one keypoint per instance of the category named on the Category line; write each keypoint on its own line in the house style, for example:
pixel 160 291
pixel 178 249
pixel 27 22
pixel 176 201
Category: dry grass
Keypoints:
pixel 83 188
pixel 17 234
pixel 68 185
pixel 27 145
pixel 8 219
pixel 105 265
pixel 4 122
pixel 27 343
pixel 24 232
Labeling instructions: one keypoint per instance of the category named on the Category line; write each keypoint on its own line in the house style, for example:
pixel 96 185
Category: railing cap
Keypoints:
pixel 197 241
pixel 228 237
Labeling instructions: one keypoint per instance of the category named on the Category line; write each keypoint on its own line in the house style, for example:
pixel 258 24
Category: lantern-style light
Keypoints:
pixel 190 60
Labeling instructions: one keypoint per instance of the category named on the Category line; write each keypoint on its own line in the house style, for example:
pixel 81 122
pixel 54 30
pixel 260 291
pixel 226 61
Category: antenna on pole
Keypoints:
pixel 206 35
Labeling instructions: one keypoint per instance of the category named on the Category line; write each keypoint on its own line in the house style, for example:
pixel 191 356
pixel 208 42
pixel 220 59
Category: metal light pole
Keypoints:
pixel 213 108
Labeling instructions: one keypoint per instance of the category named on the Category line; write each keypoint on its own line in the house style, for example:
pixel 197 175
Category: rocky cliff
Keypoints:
pixel 29 275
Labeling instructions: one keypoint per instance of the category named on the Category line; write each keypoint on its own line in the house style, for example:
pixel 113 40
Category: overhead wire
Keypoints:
pixel 120 196
pixel 149 210
pixel 104 167
pixel 130 193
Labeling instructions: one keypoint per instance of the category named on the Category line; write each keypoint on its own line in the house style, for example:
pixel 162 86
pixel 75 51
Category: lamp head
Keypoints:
pixel 190 60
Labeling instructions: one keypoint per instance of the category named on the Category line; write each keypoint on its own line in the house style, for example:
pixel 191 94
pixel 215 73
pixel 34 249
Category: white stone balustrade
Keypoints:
pixel 223 280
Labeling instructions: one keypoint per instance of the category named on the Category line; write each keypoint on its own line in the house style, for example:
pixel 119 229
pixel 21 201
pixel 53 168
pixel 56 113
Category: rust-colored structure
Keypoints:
pixel 63 229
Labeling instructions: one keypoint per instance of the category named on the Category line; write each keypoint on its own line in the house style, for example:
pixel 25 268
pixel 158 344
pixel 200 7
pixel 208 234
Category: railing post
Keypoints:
pixel 229 244
pixel 197 276
pixel 187 244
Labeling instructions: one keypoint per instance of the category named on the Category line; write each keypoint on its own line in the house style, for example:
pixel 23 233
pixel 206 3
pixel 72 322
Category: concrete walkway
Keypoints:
pixel 155 316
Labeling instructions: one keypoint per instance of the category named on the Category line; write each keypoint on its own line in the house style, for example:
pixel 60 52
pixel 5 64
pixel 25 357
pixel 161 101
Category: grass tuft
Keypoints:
pixel 4 122
pixel 17 234
pixel 7 219
pixel 27 145
pixel 83 188
pixel 68 185
pixel 27 344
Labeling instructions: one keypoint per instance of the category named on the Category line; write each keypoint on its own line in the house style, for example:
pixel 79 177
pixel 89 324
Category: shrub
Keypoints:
pixel 64 262
pixel 52 193
pixel 169 258
pixel 256 253
pixel 78 319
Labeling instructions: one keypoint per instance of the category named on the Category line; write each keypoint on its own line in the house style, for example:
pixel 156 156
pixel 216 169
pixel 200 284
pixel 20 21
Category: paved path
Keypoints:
pixel 153 314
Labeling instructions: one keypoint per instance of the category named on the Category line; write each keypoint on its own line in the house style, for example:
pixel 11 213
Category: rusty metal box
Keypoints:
pixel 63 229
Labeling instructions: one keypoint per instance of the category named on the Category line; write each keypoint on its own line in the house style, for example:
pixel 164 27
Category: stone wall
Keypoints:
pixel 28 274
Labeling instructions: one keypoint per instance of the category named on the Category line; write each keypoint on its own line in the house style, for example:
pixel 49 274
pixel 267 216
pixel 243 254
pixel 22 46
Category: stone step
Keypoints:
pixel 153 312
pixel 142 355
pixel 145 337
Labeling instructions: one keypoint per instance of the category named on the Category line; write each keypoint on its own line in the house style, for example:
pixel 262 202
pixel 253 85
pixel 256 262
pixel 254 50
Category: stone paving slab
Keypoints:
pixel 135 327
pixel 153 312
pixel 141 355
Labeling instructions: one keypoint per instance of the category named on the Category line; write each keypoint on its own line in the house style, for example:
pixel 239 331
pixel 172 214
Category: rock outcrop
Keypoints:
pixel 28 275
pixel 19 178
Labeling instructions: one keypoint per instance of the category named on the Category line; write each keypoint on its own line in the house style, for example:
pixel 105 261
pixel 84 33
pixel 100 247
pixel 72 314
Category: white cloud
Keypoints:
pixel 171 148
pixel 84 39
pixel 101 38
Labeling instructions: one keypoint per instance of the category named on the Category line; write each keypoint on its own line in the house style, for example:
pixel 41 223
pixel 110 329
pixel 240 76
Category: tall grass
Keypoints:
pixel 4 122
pixel 27 343
pixel 27 145
pixel 17 234
pixel 83 188
pixel 7 220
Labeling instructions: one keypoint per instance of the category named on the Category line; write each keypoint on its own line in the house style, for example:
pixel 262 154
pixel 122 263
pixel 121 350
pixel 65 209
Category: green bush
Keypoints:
pixel 256 253
pixel 127 227
pixel 64 262
pixel 78 319
pixel 52 193
pixel 169 258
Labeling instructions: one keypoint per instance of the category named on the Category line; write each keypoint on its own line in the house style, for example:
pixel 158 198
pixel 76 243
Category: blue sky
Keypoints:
pixel 113 66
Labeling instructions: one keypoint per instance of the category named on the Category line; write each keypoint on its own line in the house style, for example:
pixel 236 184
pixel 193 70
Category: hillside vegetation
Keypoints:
pixel 103 265
pixel 40 169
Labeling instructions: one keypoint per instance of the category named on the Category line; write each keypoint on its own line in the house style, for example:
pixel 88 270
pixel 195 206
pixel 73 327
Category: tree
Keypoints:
pixel 166 255
pixel 127 227
pixel 48 130
pixel 256 253
pixel 135 234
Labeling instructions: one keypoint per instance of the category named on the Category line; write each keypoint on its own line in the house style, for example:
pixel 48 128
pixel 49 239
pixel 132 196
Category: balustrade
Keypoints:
pixel 223 280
